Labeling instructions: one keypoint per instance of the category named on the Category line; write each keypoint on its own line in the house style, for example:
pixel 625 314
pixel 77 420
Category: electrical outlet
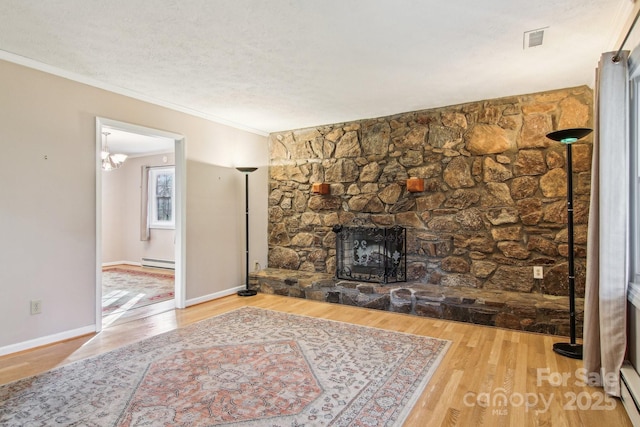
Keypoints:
pixel 256 265
pixel 538 273
pixel 36 307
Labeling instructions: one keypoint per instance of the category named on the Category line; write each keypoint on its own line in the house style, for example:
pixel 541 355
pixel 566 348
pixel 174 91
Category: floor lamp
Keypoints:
pixel 246 292
pixel 568 137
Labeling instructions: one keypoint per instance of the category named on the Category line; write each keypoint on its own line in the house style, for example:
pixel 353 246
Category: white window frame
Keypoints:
pixel 152 209
pixel 633 292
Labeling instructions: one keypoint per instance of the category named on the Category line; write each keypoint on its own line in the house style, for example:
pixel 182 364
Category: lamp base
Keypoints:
pixel 566 349
pixel 247 293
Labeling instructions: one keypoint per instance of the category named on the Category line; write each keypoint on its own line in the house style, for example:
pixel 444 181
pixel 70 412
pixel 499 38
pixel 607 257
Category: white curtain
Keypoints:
pixel 605 337
pixel 145 232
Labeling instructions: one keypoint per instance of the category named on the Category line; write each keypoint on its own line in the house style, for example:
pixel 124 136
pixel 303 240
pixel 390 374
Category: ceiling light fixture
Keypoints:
pixel 110 161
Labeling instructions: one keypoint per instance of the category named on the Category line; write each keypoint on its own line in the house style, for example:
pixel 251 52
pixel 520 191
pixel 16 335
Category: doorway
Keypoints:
pixel 139 256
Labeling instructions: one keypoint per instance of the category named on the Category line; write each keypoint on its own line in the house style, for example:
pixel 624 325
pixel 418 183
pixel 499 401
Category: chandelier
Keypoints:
pixel 110 161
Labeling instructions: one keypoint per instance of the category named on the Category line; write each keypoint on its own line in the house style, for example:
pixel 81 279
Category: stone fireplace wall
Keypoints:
pixel 494 202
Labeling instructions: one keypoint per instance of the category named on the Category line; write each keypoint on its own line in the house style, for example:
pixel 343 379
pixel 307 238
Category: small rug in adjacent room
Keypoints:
pixel 124 289
pixel 247 367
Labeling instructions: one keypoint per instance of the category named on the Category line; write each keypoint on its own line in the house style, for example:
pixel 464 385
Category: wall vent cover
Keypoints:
pixel 533 38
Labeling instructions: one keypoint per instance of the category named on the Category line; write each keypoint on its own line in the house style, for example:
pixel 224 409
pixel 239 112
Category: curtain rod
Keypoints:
pixel 616 57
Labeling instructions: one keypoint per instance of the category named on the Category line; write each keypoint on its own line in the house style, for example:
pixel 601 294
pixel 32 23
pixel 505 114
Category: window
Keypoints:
pixel 634 188
pixel 162 197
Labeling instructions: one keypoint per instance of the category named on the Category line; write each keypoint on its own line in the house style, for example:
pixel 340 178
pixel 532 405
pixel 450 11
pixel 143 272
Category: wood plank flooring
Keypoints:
pixel 482 366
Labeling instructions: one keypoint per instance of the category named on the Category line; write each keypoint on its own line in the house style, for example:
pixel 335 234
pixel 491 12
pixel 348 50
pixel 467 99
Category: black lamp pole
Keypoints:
pixel 568 137
pixel 246 292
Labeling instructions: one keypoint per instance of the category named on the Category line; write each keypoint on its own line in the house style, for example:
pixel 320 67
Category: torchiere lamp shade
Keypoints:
pixel 568 136
pixel 246 170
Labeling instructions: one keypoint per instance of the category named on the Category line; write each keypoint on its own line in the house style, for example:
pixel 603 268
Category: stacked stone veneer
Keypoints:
pixel 494 203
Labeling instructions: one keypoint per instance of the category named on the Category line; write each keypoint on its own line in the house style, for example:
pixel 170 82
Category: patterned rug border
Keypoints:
pixel 337 321
pixel 246 308
pixel 139 273
pixel 428 375
pixel 402 415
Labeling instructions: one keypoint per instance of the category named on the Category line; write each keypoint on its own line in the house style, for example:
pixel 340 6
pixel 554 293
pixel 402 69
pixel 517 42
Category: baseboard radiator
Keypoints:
pixel 630 392
pixel 158 263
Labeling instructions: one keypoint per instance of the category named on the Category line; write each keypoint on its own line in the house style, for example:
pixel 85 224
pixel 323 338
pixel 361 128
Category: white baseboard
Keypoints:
pixel 630 392
pixel 213 296
pixel 49 339
pixel 111 264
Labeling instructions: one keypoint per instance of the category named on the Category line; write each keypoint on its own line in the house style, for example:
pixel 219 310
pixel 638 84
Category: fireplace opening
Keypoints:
pixel 371 254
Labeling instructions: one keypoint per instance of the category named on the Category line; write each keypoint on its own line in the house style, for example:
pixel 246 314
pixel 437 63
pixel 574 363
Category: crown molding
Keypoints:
pixel 50 69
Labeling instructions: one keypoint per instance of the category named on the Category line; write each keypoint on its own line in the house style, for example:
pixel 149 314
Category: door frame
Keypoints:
pixel 180 220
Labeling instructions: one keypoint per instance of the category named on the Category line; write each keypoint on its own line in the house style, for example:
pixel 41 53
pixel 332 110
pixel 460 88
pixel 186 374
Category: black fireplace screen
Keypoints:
pixel 371 254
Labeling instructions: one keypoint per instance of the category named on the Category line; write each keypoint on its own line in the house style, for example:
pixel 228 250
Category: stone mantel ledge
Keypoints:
pixel 532 312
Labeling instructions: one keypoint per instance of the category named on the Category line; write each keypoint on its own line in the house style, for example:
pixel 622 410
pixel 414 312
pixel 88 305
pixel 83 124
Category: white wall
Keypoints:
pixel 121 198
pixel 48 200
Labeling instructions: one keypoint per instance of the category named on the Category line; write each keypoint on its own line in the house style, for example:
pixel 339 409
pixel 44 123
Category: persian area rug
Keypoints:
pixel 248 367
pixel 124 289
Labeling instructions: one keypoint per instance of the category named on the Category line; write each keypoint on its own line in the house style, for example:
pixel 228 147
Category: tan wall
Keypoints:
pixel 48 199
pixel 121 215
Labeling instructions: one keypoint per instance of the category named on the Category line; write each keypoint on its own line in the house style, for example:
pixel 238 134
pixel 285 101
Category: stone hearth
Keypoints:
pixel 513 310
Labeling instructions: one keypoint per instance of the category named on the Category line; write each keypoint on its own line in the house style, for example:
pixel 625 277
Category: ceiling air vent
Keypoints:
pixel 533 38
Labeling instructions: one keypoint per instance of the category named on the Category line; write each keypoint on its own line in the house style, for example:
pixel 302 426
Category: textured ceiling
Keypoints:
pixel 134 144
pixel 286 64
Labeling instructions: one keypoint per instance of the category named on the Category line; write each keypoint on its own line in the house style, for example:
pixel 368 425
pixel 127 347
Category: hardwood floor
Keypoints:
pixel 138 312
pixel 482 365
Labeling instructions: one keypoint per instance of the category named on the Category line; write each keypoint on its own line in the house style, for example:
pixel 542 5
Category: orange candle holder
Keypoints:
pixel 415 185
pixel 320 188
